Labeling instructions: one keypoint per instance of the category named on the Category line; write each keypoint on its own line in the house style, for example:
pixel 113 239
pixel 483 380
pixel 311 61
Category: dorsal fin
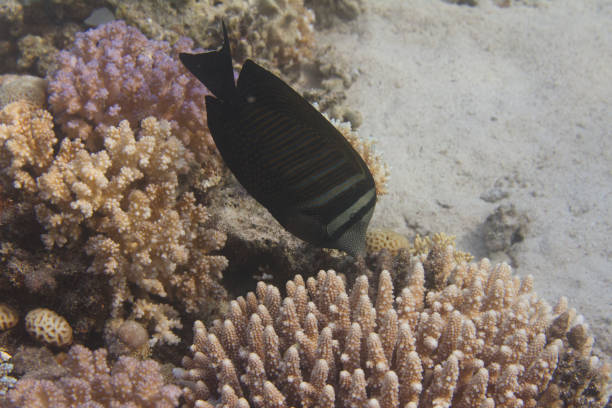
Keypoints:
pixel 214 69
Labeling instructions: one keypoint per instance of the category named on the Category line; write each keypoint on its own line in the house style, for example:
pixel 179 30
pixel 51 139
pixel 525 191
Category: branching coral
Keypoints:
pixel 26 143
pixel 115 73
pixel 278 32
pixel 486 340
pixel 90 382
pixel 145 231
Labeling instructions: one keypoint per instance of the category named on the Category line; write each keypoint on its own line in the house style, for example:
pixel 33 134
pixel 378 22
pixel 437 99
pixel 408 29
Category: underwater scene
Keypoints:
pixel 305 203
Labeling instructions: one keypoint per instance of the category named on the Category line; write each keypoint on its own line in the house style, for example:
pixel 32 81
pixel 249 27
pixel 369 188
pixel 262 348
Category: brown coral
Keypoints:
pixel 377 239
pixel 90 382
pixel 49 327
pixel 145 231
pixel 26 88
pixel 26 143
pixel 277 32
pixel 482 341
pixel 8 317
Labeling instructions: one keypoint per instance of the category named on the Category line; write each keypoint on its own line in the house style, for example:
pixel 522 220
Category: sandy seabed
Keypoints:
pixel 463 100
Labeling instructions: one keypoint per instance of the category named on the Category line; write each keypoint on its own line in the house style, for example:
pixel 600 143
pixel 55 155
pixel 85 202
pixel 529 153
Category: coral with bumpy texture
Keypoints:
pixel 278 34
pixel 90 382
pixel 114 73
pixel 26 88
pixel 486 340
pixel 377 239
pixel 26 144
pixel 6 381
pixel 8 317
pixel 49 327
pixel 144 231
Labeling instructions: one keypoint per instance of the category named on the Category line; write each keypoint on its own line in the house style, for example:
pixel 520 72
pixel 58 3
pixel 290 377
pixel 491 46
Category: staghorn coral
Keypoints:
pixel 113 73
pixel 486 340
pixel 26 144
pixel 144 231
pixel 90 382
pixel 276 32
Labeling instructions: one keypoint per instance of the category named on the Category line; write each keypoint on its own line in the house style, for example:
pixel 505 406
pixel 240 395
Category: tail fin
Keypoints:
pixel 214 69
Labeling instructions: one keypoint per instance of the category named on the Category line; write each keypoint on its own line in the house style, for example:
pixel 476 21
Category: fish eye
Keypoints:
pixel 250 99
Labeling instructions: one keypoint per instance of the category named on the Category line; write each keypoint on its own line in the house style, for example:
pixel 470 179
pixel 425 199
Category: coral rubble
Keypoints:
pixel 484 340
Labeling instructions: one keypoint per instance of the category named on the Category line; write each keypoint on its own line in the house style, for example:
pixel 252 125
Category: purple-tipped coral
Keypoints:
pixel 114 73
pixel 89 382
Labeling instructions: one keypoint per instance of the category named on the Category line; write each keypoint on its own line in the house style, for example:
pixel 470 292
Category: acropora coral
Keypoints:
pixel 485 340
pixel 89 381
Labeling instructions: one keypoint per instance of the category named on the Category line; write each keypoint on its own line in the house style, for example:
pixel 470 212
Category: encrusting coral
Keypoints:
pixel 90 382
pixel 484 340
pixel 27 88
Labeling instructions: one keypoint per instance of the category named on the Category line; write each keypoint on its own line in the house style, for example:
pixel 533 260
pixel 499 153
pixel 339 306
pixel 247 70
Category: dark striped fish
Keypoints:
pixel 285 153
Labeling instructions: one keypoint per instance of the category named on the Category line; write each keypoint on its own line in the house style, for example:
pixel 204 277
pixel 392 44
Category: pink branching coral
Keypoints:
pixel 90 382
pixel 114 73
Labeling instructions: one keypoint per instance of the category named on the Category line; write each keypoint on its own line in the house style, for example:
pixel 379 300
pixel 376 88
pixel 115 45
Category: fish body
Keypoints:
pixel 285 153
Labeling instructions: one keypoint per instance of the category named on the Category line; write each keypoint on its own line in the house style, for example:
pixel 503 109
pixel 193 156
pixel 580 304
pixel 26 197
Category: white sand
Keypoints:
pixel 461 97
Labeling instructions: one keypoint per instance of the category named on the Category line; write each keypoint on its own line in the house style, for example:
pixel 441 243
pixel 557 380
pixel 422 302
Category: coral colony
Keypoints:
pixel 109 251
